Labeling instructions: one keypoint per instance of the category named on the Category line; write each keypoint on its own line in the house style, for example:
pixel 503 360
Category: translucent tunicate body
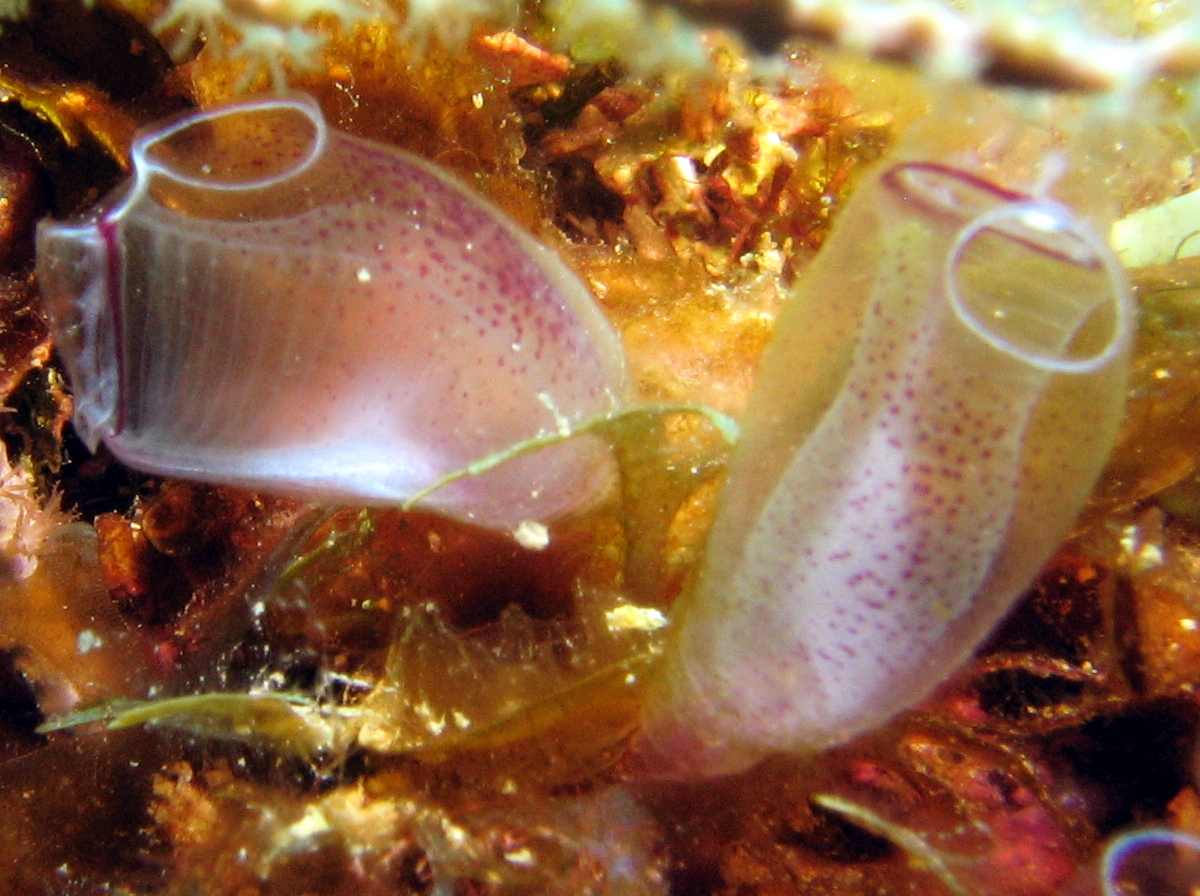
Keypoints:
pixel 941 392
pixel 275 304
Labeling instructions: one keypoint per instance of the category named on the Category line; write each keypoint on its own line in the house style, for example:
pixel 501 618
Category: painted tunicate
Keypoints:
pixel 272 303
pixel 940 394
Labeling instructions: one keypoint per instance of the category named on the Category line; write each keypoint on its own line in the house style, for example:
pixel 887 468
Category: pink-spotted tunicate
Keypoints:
pixel 940 394
pixel 272 303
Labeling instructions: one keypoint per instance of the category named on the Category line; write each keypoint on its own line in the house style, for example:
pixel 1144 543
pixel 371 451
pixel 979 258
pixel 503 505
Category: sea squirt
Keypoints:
pixel 941 392
pixel 272 303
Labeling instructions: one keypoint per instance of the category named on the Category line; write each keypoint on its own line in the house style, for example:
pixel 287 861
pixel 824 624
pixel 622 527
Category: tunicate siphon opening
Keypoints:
pixel 1025 275
pixel 1036 283
pixel 939 190
pixel 248 147
pixel 1151 862
pixel 72 272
